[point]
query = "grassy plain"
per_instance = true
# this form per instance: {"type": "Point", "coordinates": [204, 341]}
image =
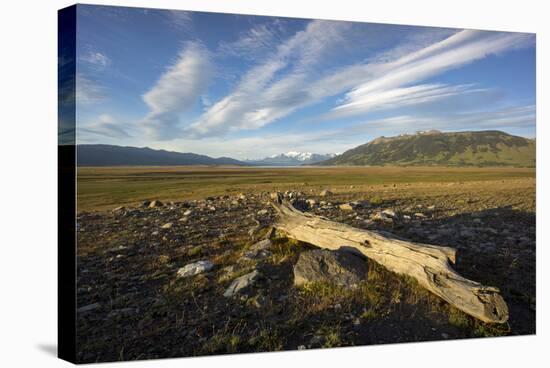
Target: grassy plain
{"type": "Point", "coordinates": [101, 188]}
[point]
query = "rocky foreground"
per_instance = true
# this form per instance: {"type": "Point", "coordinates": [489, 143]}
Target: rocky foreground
{"type": "Point", "coordinates": [201, 277]}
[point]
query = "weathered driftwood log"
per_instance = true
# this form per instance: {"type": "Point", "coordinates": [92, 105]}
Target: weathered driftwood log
{"type": "Point", "coordinates": [430, 265]}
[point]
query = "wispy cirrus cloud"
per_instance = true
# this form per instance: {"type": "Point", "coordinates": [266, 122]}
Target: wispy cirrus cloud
{"type": "Point", "coordinates": [87, 91]}
{"type": "Point", "coordinates": [176, 91]}
{"type": "Point", "coordinates": [105, 125]}
{"type": "Point", "coordinates": [288, 80]}
{"type": "Point", "coordinates": [96, 58]}
{"type": "Point", "coordinates": [254, 41]}
{"type": "Point", "coordinates": [179, 19]}
{"type": "Point", "coordinates": [508, 117]}
{"type": "Point", "coordinates": [263, 95]}
{"type": "Point", "coordinates": [386, 87]}
{"type": "Point", "coordinates": [401, 97]}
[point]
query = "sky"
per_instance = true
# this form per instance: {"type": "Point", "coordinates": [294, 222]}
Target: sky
{"type": "Point", "coordinates": [249, 87]}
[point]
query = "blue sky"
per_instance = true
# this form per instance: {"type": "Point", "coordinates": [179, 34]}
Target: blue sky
{"type": "Point", "coordinates": [250, 86]}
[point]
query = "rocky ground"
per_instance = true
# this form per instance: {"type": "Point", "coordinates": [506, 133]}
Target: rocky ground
{"type": "Point", "coordinates": [194, 277]}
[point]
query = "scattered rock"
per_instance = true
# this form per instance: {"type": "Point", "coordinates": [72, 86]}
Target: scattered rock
{"type": "Point", "coordinates": [240, 283]}
{"type": "Point", "coordinates": [119, 209]}
{"type": "Point", "coordinates": [195, 268]}
{"type": "Point", "coordinates": [346, 207]}
{"type": "Point", "coordinates": [145, 203]}
{"type": "Point", "coordinates": [116, 313]}
{"type": "Point", "coordinates": [300, 204]}
{"type": "Point", "coordinates": [187, 212]}
{"type": "Point", "coordinates": [339, 267]}
{"type": "Point", "coordinates": [262, 212]}
{"type": "Point", "coordinates": [325, 193]}
{"type": "Point", "coordinates": [389, 213]}
{"type": "Point", "coordinates": [261, 245]}
{"type": "Point", "coordinates": [155, 204]}
{"type": "Point", "coordinates": [168, 225]}
{"type": "Point", "coordinates": [382, 217]}
{"type": "Point", "coordinates": [88, 308]}
{"type": "Point", "coordinates": [311, 202]}
{"type": "Point", "coordinates": [419, 215]}
{"type": "Point", "coordinates": [361, 204]}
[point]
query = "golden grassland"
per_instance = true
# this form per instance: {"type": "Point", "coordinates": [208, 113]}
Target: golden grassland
{"type": "Point", "coordinates": [101, 188]}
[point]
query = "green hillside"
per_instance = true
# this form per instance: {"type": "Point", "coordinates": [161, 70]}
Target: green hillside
{"type": "Point", "coordinates": [480, 148]}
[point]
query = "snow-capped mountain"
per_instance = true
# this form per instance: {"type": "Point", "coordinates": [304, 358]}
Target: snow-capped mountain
{"type": "Point", "coordinates": [292, 158]}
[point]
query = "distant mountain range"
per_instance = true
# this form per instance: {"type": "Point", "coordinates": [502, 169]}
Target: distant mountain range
{"type": "Point", "coordinates": [479, 148]}
{"type": "Point", "coordinates": [292, 159]}
{"type": "Point", "coordinates": [108, 155]}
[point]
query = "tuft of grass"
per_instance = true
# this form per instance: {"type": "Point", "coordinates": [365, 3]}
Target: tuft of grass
{"type": "Point", "coordinates": [195, 251]}
{"type": "Point", "coordinates": [482, 329]}
{"type": "Point", "coordinates": [284, 249]}
{"type": "Point", "coordinates": [376, 200]}
{"type": "Point", "coordinates": [331, 336]}
{"type": "Point", "coordinates": [221, 342]}
{"type": "Point", "coordinates": [368, 314]}
{"type": "Point", "coordinates": [458, 318]}
{"type": "Point", "coordinates": [267, 340]}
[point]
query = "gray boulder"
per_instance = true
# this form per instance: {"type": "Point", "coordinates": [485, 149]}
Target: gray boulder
{"type": "Point", "coordinates": [338, 267]}
{"type": "Point", "coordinates": [240, 283]}
{"type": "Point", "coordinates": [195, 268]}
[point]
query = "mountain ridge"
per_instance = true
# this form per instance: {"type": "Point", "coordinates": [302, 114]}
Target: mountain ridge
{"type": "Point", "coordinates": [112, 155]}
{"type": "Point", "coordinates": [432, 147]}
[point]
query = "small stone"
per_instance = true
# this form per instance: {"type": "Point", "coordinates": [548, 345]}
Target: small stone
{"type": "Point", "coordinates": [168, 225]}
{"type": "Point", "coordinates": [311, 203]}
{"type": "Point", "coordinates": [145, 203]}
{"type": "Point", "coordinates": [119, 209]}
{"type": "Point", "coordinates": [187, 213]}
{"type": "Point", "coordinates": [88, 308]}
{"type": "Point", "coordinates": [121, 312]}
{"type": "Point", "coordinates": [361, 204]}
{"type": "Point", "coordinates": [155, 204]}
{"type": "Point", "coordinates": [240, 283]}
{"type": "Point", "coordinates": [300, 204]}
{"type": "Point", "coordinates": [301, 347]}
{"type": "Point", "coordinates": [389, 213]}
{"type": "Point", "coordinates": [262, 212]}
{"type": "Point", "coordinates": [382, 217]}
{"type": "Point", "coordinates": [419, 215]}
{"type": "Point", "coordinates": [261, 245]}
{"type": "Point", "coordinates": [325, 193]}
{"type": "Point", "coordinates": [346, 207]}
{"type": "Point", "coordinates": [195, 268]}
{"type": "Point", "coordinates": [444, 335]}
